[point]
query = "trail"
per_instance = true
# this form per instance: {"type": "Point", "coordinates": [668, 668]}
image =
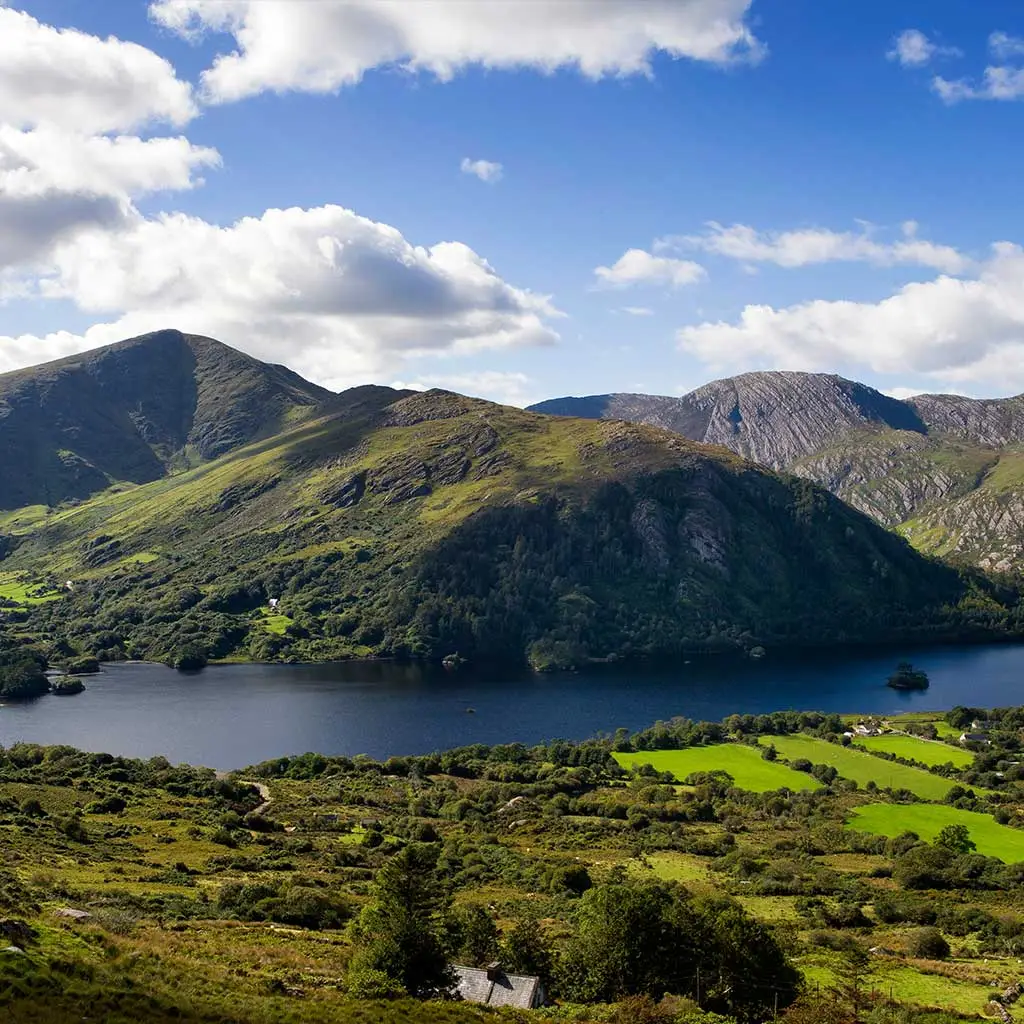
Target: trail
{"type": "Point", "coordinates": [264, 791]}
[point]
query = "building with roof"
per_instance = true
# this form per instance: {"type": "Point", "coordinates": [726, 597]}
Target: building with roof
{"type": "Point", "coordinates": [491, 986]}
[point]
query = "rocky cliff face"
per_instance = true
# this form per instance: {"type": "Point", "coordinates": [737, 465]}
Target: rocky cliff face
{"type": "Point", "coordinates": [940, 467]}
{"type": "Point", "coordinates": [129, 411]}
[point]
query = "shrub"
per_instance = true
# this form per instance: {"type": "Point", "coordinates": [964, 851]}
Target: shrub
{"type": "Point", "coordinates": [929, 944]}
{"type": "Point", "coordinates": [369, 983]}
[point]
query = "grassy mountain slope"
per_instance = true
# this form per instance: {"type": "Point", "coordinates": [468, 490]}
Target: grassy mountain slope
{"type": "Point", "coordinates": [424, 524]}
{"type": "Point", "coordinates": [941, 468]}
{"type": "Point", "coordinates": [130, 411]}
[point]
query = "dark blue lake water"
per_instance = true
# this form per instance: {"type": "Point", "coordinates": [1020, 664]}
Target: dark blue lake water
{"type": "Point", "coordinates": [235, 715]}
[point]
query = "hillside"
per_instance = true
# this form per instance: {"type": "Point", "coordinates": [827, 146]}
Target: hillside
{"type": "Point", "coordinates": [941, 468]}
{"type": "Point", "coordinates": [399, 523]}
{"type": "Point", "coordinates": [129, 412]}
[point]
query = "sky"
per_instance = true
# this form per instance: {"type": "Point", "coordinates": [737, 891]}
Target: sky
{"type": "Point", "coordinates": [522, 199]}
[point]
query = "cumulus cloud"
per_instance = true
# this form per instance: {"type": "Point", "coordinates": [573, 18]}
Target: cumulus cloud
{"type": "Point", "coordinates": [485, 170]}
{"type": "Point", "coordinates": [63, 95]}
{"type": "Point", "coordinates": [495, 385]}
{"type": "Point", "coordinates": [913, 49]}
{"type": "Point", "coordinates": [954, 330]}
{"type": "Point", "coordinates": [83, 83]}
{"type": "Point", "coordinates": [638, 267]}
{"type": "Point", "coordinates": [999, 81]}
{"type": "Point", "coordinates": [323, 45]}
{"type": "Point", "coordinates": [809, 246]}
{"type": "Point", "coordinates": [1004, 46]}
{"type": "Point", "coordinates": [342, 296]}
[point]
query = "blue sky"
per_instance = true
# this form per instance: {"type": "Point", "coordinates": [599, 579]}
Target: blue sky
{"type": "Point", "coordinates": [860, 162]}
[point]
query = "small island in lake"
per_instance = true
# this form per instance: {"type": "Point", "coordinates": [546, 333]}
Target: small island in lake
{"type": "Point", "coordinates": [906, 677]}
{"type": "Point", "coordinates": [66, 686]}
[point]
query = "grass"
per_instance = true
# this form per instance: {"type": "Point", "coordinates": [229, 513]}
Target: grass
{"type": "Point", "coordinates": [19, 588]}
{"type": "Point", "coordinates": [927, 820]}
{"type": "Point", "coordinates": [863, 768]}
{"type": "Point", "coordinates": [917, 749]}
{"type": "Point", "coordinates": [748, 769]}
{"type": "Point", "coordinates": [276, 623]}
{"type": "Point", "coordinates": [907, 985]}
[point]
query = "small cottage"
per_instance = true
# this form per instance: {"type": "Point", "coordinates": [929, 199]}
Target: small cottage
{"type": "Point", "coordinates": [491, 986]}
{"type": "Point", "coordinates": [973, 737]}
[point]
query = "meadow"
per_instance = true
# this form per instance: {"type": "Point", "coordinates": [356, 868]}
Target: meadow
{"type": "Point", "coordinates": [862, 767]}
{"type": "Point", "coordinates": [749, 770]}
{"type": "Point", "coordinates": [914, 748]}
{"type": "Point", "coordinates": [927, 820]}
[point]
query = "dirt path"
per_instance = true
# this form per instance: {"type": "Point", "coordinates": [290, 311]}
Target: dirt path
{"type": "Point", "coordinates": [264, 792]}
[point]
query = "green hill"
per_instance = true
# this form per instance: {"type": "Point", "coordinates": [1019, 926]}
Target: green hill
{"type": "Point", "coordinates": [131, 411]}
{"type": "Point", "coordinates": [396, 523]}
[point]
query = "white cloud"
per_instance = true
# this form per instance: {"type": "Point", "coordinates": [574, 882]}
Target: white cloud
{"type": "Point", "coordinates": [638, 310]}
{"type": "Point", "coordinates": [913, 49]}
{"type": "Point", "coordinates": [636, 266]}
{"type": "Point", "coordinates": [495, 385]}
{"type": "Point", "coordinates": [323, 45]}
{"type": "Point", "coordinates": [902, 393]}
{"type": "Point", "coordinates": [81, 82]}
{"type": "Point", "coordinates": [951, 329]}
{"type": "Point", "coordinates": [485, 170]}
{"type": "Point", "coordinates": [809, 246]}
{"type": "Point", "coordinates": [344, 297]}
{"type": "Point", "coordinates": [1004, 46]}
{"type": "Point", "coordinates": [62, 95]}
{"type": "Point", "coordinates": [999, 83]}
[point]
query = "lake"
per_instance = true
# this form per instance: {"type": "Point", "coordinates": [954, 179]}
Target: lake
{"type": "Point", "coordinates": [231, 716]}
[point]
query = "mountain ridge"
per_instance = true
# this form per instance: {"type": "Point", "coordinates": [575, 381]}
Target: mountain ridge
{"type": "Point", "coordinates": [422, 524]}
{"type": "Point", "coordinates": [131, 411]}
{"type": "Point", "coordinates": [922, 465]}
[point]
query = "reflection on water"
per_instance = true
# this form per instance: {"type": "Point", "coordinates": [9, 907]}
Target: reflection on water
{"type": "Point", "coordinates": [234, 715]}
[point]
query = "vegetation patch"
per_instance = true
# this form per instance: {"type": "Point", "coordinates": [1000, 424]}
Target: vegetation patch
{"type": "Point", "coordinates": [928, 820]}
{"type": "Point", "coordinates": [747, 767]}
{"type": "Point", "coordinates": [862, 767]}
{"type": "Point", "coordinates": [913, 748]}
{"type": "Point", "coordinates": [24, 590]}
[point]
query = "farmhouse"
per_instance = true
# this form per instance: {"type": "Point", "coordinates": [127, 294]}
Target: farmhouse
{"type": "Point", "coordinates": [973, 737]}
{"type": "Point", "coordinates": [867, 730]}
{"type": "Point", "coordinates": [491, 986]}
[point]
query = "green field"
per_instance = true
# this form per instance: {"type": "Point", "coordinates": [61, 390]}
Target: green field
{"type": "Point", "coordinates": [927, 820]}
{"type": "Point", "coordinates": [16, 587]}
{"type": "Point", "coordinates": [917, 749]}
{"type": "Point", "coordinates": [863, 767]}
{"type": "Point", "coordinates": [748, 769]}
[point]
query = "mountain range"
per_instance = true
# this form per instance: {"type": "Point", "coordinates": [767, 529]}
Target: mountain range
{"type": "Point", "coordinates": [171, 498]}
{"type": "Point", "coordinates": [945, 471]}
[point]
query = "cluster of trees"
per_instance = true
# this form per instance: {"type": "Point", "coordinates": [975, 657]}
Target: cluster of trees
{"type": "Point", "coordinates": [22, 674]}
{"type": "Point", "coordinates": [627, 940]}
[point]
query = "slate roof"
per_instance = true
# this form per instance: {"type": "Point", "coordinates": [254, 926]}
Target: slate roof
{"type": "Point", "coordinates": [496, 988]}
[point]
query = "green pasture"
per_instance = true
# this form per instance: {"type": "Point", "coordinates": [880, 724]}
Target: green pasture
{"type": "Point", "coordinates": [19, 588]}
{"type": "Point", "coordinates": [748, 769]}
{"type": "Point", "coordinates": [927, 820]}
{"type": "Point", "coordinates": [913, 747]}
{"type": "Point", "coordinates": [862, 767]}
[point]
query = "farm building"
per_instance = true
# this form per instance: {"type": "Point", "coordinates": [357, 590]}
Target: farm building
{"type": "Point", "coordinates": [974, 737]}
{"type": "Point", "coordinates": [491, 986]}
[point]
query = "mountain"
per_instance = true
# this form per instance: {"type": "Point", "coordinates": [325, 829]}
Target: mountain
{"type": "Point", "coordinates": [944, 470]}
{"type": "Point", "coordinates": [425, 524]}
{"type": "Point", "coordinates": [132, 411]}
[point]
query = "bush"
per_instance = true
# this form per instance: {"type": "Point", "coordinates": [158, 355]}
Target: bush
{"type": "Point", "coordinates": [368, 983]}
{"type": "Point", "coordinates": [929, 944]}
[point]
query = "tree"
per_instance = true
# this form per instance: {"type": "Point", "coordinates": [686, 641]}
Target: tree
{"type": "Point", "coordinates": [630, 940]}
{"type": "Point", "coordinates": [400, 932]}
{"type": "Point", "coordinates": [474, 935]}
{"type": "Point", "coordinates": [956, 838]}
{"type": "Point", "coordinates": [525, 950]}
{"type": "Point", "coordinates": [852, 974]}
